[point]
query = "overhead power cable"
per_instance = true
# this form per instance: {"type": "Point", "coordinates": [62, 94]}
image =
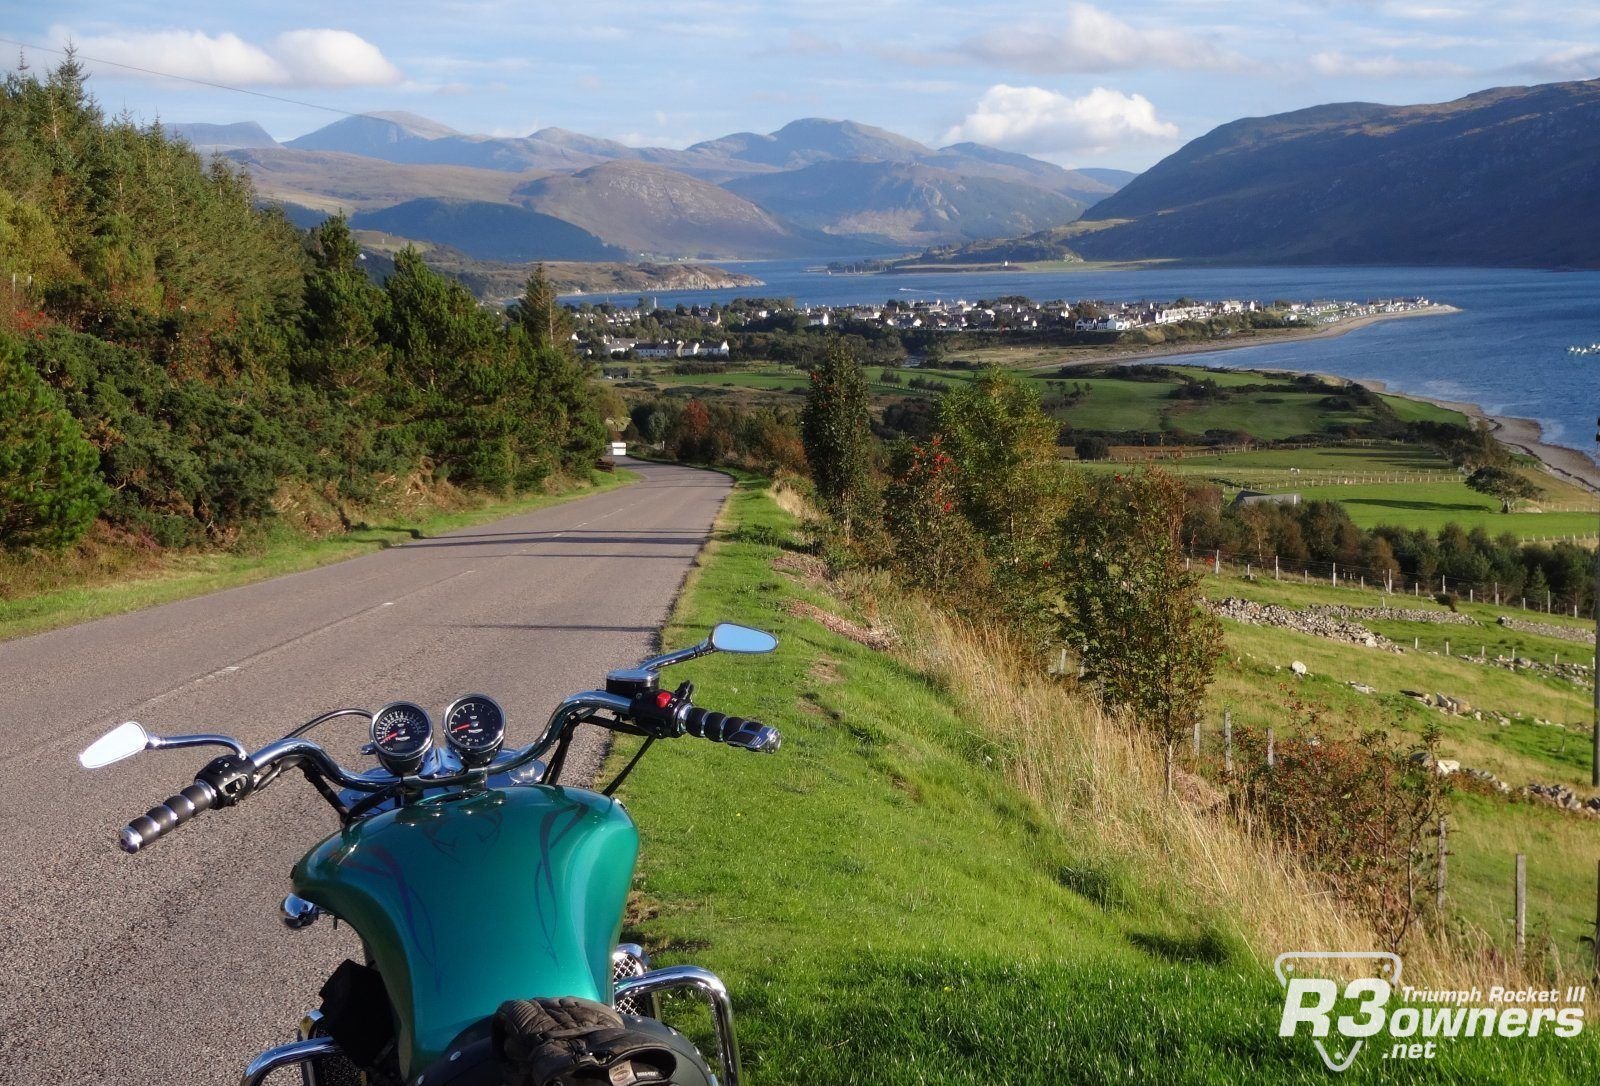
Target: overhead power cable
{"type": "Point", "coordinates": [183, 78]}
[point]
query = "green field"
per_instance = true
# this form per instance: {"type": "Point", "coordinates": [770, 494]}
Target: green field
{"type": "Point", "coordinates": [1404, 485]}
{"type": "Point", "coordinates": [1548, 737]}
{"type": "Point", "coordinates": [887, 908]}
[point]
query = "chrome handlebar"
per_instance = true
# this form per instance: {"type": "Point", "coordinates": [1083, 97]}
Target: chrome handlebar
{"type": "Point", "coordinates": [292, 750]}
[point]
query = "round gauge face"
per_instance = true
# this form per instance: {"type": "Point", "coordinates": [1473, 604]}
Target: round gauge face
{"type": "Point", "coordinates": [402, 732]}
{"type": "Point", "coordinates": [474, 725]}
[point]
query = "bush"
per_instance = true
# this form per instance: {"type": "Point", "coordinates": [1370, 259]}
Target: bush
{"type": "Point", "coordinates": [1092, 448]}
{"type": "Point", "coordinates": [50, 488]}
{"type": "Point", "coordinates": [1359, 812]}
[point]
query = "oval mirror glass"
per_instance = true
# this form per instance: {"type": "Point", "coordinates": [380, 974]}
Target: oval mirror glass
{"type": "Point", "coordinates": [123, 741]}
{"type": "Point", "coordinates": [726, 637]}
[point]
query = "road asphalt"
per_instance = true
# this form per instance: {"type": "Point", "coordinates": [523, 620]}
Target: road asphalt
{"type": "Point", "coordinates": [172, 966]}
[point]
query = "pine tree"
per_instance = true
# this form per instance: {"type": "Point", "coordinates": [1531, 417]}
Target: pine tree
{"type": "Point", "coordinates": [540, 313]}
{"type": "Point", "coordinates": [50, 488]}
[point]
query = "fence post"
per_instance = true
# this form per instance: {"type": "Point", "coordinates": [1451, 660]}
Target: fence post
{"type": "Point", "coordinates": [1497, 593]}
{"type": "Point", "coordinates": [1197, 739]}
{"type": "Point", "coordinates": [1597, 921]}
{"type": "Point", "coordinates": [1447, 646]}
{"type": "Point", "coordinates": [1216, 563]}
{"type": "Point", "coordinates": [1271, 761]}
{"type": "Point", "coordinates": [1274, 567]}
{"type": "Point", "coordinates": [1336, 574]}
{"type": "Point", "coordinates": [1227, 740]}
{"type": "Point", "coordinates": [1444, 867]}
{"type": "Point", "coordinates": [1522, 905]}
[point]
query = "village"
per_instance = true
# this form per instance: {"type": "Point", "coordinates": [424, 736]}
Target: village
{"type": "Point", "coordinates": [646, 331]}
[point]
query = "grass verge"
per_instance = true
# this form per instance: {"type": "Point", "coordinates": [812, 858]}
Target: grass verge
{"type": "Point", "coordinates": [106, 587]}
{"type": "Point", "coordinates": [954, 874]}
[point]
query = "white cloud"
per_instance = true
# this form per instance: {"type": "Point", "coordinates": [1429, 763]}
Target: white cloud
{"type": "Point", "coordinates": [1047, 122]}
{"type": "Point", "coordinates": [1092, 40]}
{"type": "Point", "coordinates": [307, 58]}
{"type": "Point", "coordinates": [1573, 62]}
{"type": "Point", "coordinates": [1334, 63]}
{"type": "Point", "coordinates": [333, 58]}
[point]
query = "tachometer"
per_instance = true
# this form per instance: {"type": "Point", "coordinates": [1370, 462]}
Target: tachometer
{"type": "Point", "coordinates": [475, 728]}
{"type": "Point", "coordinates": [401, 736]}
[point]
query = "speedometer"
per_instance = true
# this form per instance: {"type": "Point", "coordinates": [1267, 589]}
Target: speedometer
{"type": "Point", "coordinates": [401, 736]}
{"type": "Point", "coordinates": [475, 728]}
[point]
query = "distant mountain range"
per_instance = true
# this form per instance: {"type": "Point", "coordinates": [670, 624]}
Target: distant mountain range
{"type": "Point", "coordinates": [1509, 176]}
{"type": "Point", "coordinates": [812, 188]}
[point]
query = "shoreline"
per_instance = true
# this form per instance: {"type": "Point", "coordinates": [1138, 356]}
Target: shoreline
{"type": "Point", "coordinates": [1522, 434]}
{"type": "Point", "coordinates": [1134, 355]}
{"type": "Point", "coordinates": [1513, 431]}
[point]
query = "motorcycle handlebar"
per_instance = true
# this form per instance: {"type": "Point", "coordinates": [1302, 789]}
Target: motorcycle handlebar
{"type": "Point", "coordinates": [163, 818]}
{"type": "Point", "coordinates": [735, 731]}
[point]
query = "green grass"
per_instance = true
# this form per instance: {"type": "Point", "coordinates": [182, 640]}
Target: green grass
{"type": "Point", "coordinates": [278, 551]}
{"type": "Point", "coordinates": [887, 909]}
{"type": "Point", "coordinates": [1255, 684]}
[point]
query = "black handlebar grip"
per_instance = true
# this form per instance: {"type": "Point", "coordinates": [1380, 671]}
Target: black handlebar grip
{"type": "Point", "coordinates": [163, 819]}
{"type": "Point", "coordinates": [735, 731]}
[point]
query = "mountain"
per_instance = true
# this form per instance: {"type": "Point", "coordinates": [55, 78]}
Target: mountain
{"type": "Point", "coordinates": [651, 209]}
{"type": "Point", "coordinates": [814, 187]}
{"type": "Point", "coordinates": [975, 158]}
{"type": "Point", "coordinates": [905, 202]}
{"type": "Point", "coordinates": [800, 143]}
{"type": "Point", "coordinates": [222, 137]}
{"type": "Point", "coordinates": [1117, 179]}
{"type": "Point", "coordinates": [488, 231]}
{"type": "Point", "coordinates": [374, 134]}
{"type": "Point", "coordinates": [1509, 176]}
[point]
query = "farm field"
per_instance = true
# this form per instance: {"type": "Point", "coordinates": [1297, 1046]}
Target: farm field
{"type": "Point", "coordinates": [1546, 737]}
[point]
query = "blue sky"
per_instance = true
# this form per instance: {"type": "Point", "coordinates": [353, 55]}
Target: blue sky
{"type": "Point", "coordinates": [1109, 84]}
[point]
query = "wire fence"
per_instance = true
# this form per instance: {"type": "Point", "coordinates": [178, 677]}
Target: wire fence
{"type": "Point", "coordinates": [1389, 582]}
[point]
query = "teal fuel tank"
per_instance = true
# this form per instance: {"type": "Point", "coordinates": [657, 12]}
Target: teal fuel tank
{"type": "Point", "coordinates": [470, 899]}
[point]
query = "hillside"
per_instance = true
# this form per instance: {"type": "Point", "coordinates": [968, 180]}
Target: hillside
{"type": "Point", "coordinates": [335, 180]}
{"type": "Point", "coordinates": [913, 781]}
{"type": "Point", "coordinates": [1509, 176]}
{"type": "Point", "coordinates": [650, 209]}
{"type": "Point", "coordinates": [905, 203]}
{"type": "Point", "coordinates": [488, 231]}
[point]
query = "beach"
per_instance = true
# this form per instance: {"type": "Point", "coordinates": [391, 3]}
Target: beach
{"type": "Point", "coordinates": [1524, 435]}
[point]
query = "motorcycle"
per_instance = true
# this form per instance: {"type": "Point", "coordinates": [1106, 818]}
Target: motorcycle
{"type": "Point", "coordinates": [488, 895]}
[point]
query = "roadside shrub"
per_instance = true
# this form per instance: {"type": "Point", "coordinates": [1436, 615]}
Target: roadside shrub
{"type": "Point", "coordinates": [935, 546]}
{"type": "Point", "coordinates": [1361, 813]}
{"type": "Point", "coordinates": [50, 488]}
{"type": "Point", "coordinates": [1127, 604]}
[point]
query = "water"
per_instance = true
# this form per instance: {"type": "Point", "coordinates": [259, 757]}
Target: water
{"type": "Point", "coordinates": [1506, 351]}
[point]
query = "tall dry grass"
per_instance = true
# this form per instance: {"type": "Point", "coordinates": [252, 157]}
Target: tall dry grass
{"type": "Point", "coordinates": [1102, 784]}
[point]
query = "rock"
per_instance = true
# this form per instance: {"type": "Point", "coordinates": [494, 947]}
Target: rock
{"type": "Point", "coordinates": [1362, 688]}
{"type": "Point", "coordinates": [1297, 667]}
{"type": "Point", "coordinates": [1446, 766]}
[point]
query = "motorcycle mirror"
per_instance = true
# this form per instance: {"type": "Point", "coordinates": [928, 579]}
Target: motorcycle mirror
{"type": "Point", "coordinates": [123, 741]}
{"type": "Point", "coordinates": [726, 637]}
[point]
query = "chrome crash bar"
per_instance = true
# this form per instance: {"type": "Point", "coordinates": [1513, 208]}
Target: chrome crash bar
{"type": "Point", "coordinates": [677, 977]}
{"type": "Point", "coordinates": [288, 1055]}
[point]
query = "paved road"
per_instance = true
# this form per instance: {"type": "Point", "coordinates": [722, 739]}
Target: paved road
{"type": "Point", "coordinates": [171, 966]}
